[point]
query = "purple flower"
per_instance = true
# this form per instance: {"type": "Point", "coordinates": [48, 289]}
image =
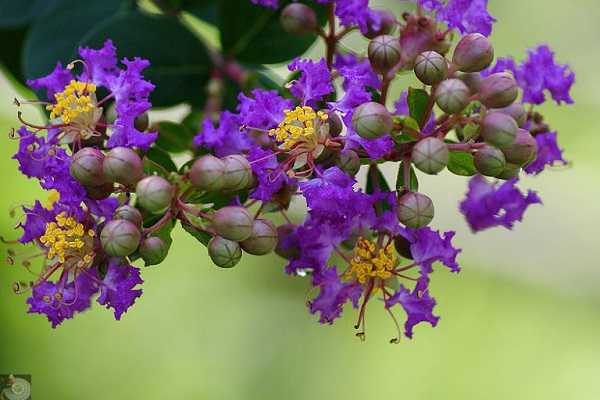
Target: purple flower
{"type": "Point", "coordinates": [117, 289]}
{"type": "Point", "coordinates": [264, 110]}
{"type": "Point", "coordinates": [468, 16]}
{"type": "Point", "coordinates": [489, 204]}
{"type": "Point", "coordinates": [266, 3]}
{"type": "Point", "coordinates": [548, 154]}
{"type": "Point", "coordinates": [428, 247]}
{"type": "Point", "coordinates": [266, 169]}
{"type": "Point", "coordinates": [314, 82]}
{"type": "Point", "coordinates": [418, 306]}
{"type": "Point", "coordinates": [314, 242]}
{"type": "Point", "coordinates": [225, 139]}
{"type": "Point", "coordinates": [375, 148]}
{"type": "Point", "coordinates": [333, 294]}
{"type": "Point", "coordinates": [357, 12]}
{"type": "Point", "coordinates": [358, 76]}
{"type": "Point", "coordinates": [54, 82]}
{"type": "Point", "coordinates": [502, 64]}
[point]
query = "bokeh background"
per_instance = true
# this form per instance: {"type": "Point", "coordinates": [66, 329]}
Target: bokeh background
{"type": "Point", "coordinates": [521, 321]}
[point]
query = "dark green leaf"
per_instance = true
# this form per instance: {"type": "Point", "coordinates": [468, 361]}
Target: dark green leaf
{"type": "Point", "coordinates": [174, 137]}
{"type": "Point", "coordinates": [376, 180]}
{"type": "Point", "coordinates": [158, 161]}
{"type": "Point", "coordinates": [461, 163]}
{"type": "Point", "coordinates": [418, 102]}
{"type": "Point", "coordinates": [413, 184]}
{"type": "Point", "coordinates": [11, 53]}
{"type": "Point", "coordinates": [193, 120]}
{"type": "Point", "coordinates": [17, 13]}
{"type": "Point", "coordinates": [206, 10]}
{"type": "Point", "coordinates": [201, 236]}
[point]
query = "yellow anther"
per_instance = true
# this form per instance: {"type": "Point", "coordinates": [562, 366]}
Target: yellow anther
{"type": "Point", "coordinates": [371, 262]}
{"type": "Point", "coordinates": [298, 125]}
{"type": "Point", "coordinates": [53, 197]}
{"type": "Point", "coordinates": [65, 235]}
{"type": "Point", "coordinates": [77, 98]}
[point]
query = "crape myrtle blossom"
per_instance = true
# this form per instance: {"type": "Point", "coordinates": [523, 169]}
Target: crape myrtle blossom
{"type": "Point", "coordinates": [468, 16]}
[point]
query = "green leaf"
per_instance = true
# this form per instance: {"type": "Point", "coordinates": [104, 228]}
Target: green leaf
{"type": "Point", "coordinates": [11, 54]}
{"type": "Point", "coordinates": [413, 184]}
{"type": "Point", "coordinates": [17, 13]}
{"type": "Point", "coordinates": [201, 236]}
{"type": "Point", "coordinates": [461, 163]}
{"type": "Point", "coordinates": [174, 137]}
{"type": "Point", "coordinates": [193, 120]}
{"type": "Point", "coordinates": [206, 10]}
{"type": "Point", "coordinates": [418, 105]}
{"type": "Point", "coordinates": [158, 161]}
{"type": "Point", "coordinates": [375, 179]}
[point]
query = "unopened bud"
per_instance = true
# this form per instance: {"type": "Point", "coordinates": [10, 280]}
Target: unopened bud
{"type": "Point", "coordinates": [509, 172]}
{"type": "Point", "coordinates": [123, 165]}
{"type": "Point", "coordinates": [99, 192]}
{"type": "Point", "coordinates": [387, 23]}
{"type": "Point", "coordinates": [349, 162]}
{"type": "Point", "coordinates": [372, 120]}
{"type": "Point", "coordinates": [233, 223]}
{"type": "Point", "coordinates": [452, 96]}
{"type": "Point", "coordinates": [120, 238]}
{"type": "Point", "coordinates": [498, 129]}
{"type": "Point", "coordinates": [153, 250]}
{"type": "Point", "coordinates": [284, 247]}
{"type": "Point", "coordinates": [489, 161]}
{"type": "Point", "coordinates": [263, 239]}
{"type": "Point", "coordinates": [141, 122]}
{"type": "Point", "coordinates": [238, 173]}
{"type": "Point", "coordinates": [154, 193]}
{"type": "Point", "coordinates": [384, 53]}
{"type": "Point", "coordinates": [86, 166]}
{"type": "Point", "coordinates": [473, 53]}
{"type": "Point", "coordinates": [430, 155]}
{"type": "Point", "coordinates": [223, 252]}
{"type": "Point", "coordinates": [431, 68]}
{"type": "Point", "coordinates": [402, 246]}
{"type": "Point", "coordinates": [299, 19]}
{"type": "Point", "coordinates": [523, 150]}
{"type": "Point", "coordinates": [515, 110]}
{"type": "Point", "coordinates": [472, 80]}
{"type": "Point", "coordinates": [415, 210]}
{"type": "Point", "coordinates": [498, 90]}
{"type": "Point", "coordinates": [208, 173]}
{"type": "Point", "coordinates": [130, 214]}
{"type": "Point", "coordinates": [335, 124]}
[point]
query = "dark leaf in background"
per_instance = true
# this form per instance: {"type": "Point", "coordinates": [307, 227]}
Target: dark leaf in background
{"type": "Point", "coordinates": [11, 53]}
{"type": "Point", "coordinates": [461, 163]}
{"type": "Point", "coordinates": [205, 10]}
{"type": "Point", "coordinates": [158, 161]}
{"type": "Point", "coordinates": [174, 137]}
{"type": "Point", "coordinates": [376, 180]}
{"type": "Point", "coordinates": [418, 101]}
{"type": "Point", "coordinates": [18, 13]}
{"type": "Point", "coordinates": [413, 184]}
{"type": "Point", "coordinates": [201, 236]}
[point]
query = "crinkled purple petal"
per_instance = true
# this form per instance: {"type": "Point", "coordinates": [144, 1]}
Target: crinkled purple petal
{"type": "Point", "coordinates": [264, 110]}
{"type": "Point", "coordinates": [549, 153]}
{"type": "Point", "coordinates": [101, 64]}
{"type": "Point", "coordinates": [54, 82]}
{"type": "Point", "coordinates": [468, 16]}
{"type": "Point", "coordinates": [314, 82]}
{"type": "Point", "coordinates": [428, 247]}
{"type": "Point", "coordinates": [418, 306]}
{"type": "Point", "coordinates": [117, 289]}
{"type": "Point", "coordinates": [333, 294]}
{"type": "Point", "coordinates": [225, 139]}
{"type": "Point", "coordinates": [268, 173]}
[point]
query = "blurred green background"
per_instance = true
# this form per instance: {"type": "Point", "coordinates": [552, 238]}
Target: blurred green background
{"type": "Point", "coordinates": [521, 321]}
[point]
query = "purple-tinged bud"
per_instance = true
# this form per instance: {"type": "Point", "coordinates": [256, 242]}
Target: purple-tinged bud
{"type": "Point", "coordinates": [489, 161]}
{"type": "Point", "coordinates": [123, 165]}
{"type": "Point", "coordinates": [498, 129]}
{"type": "Point", "coordinates": [473, 53]}
{"type": "Point", "coordinates": [387, 25]}
{"type": "Point", "coordinates": [99, 192]}
{"type": "Point", "coordinates": [430, 155]}
{"type": "Point", "coordinates": [452, 96]}
{"type": "Point", "coordinates": [523, 150]}
{"type": "Point", "coordinates": [372, 120]}
{"type": "Point", "coordinates": [335, 124]}
{"type": "Point", "coordinates": [283, 248]}
{"type": "Point", "coordinates": [154, 193]}
{"type": "Point", "coordinates": [233, 223]}
{"type": "Point", "coordinates": [263, 239]}
{"type": "Point", "coordinates": [498, 90]}
{"type": "Point", "coordinates": [208, 173]}
{"type": "Point", "coordinates": [299, 19]}
{"type": "Point", "coordinates": [238, 173]}
{"type": "Point", "coordinates": [153, 250]}
{"type": "Point", "coordinates": [223, 252]}
{"type": "Point", "coordinates": [384, 53]}
{"type": "Point", "coordinates": [515, 110]}
{"type": "Point", "coordinates": [120, 238]}
{"type": "Point", "coordinates": [431, 68]}
{"type": "Point", "coordinates": [415, 210]}
{"type": "Point", "coordinates": [472, 80]}
{"type": "Point", "coordinates": [402, 246]}
{"type": "Point", "coordinates": [130, 214]}
{"type": "Point", "coordinates": [142, 122]}
{"type": "Point", "coordinates": [509, 172]}
{"type": "Point", "coordinates": [86, 167]}
{"type": "Point", "coordinates": [349, 162]}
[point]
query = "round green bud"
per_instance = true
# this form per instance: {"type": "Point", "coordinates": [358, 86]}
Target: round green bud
{"type": "Point", "coordinates": [86, 167]}
{"type": "Point", "coordinates": [283, 249]}
{"type": "Point", "coordinates": [430, 155]}
{"type": "Point", "coordinates": [335, 124]}
{"type": "Point", "coordinates": [130, 214]}
{"type": "Point", "coordinates": [509, 172]}
{"type": "Point", "coordinates": [452, 96]}
{"type": "Point", "coordinates": [489, 161]}
{"type": "Point", "coordinates": [223, 252]}
{"type": "Point", "coordinates": [99, 192]}
{"type": "Point", "coordinates": [233, 223]}
{"type": "Point", "coordinates": [384, 53]}
{"type": "Point", "coordinates": [441, 44]}
{"type": "Point", "coordinates": [298, 19]}
{"type": "Point", "coordinates": [498, 129]}
{"type": "Point", "coordinates": [263, 239]}
{"type": "Point", "coordinates": [372, 120]}
{"type": "Point", "coordinates": [473, 53]}
{"type": "Point", "coordinates": [386, 26]}
{"type": "Point", "coordinates": [120, 238]}
{"type": "Point", "coordinates": [154, 193]}
{"type": "Point", "coordinates": [238, 173]}
{"type": "Point", "coordinates": [498, 90]}
{"type": "Point", "coordinates": [123, 165]}
{"type": "Point", "coordinates": [349, 162]}
{"type": "Point", "coordinates": [141, 122]}
{"type": "Point", "coordinates": [153, 250]}
{"type": "Point", "coordinates": [431, 68]}
{"type": "Point", "coordinates": [415, 210]}
{"type": "Point", "coordinates": [523, 150]}
{"type": "Point", "coordinates": [402, 246]}
{"type": "Point", "coordinates": [472, 80]}
{"type": "Point", "coordinates": [208, 173]}
{"type": "Point", "coordinates": [515, 110]}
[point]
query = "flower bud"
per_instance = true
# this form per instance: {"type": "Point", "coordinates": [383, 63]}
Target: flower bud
{"type": "Point", "coordinates": [153, 250]}
{"type": "Point", "coordinates": [415, 210]}
{"type": "Point", "coordinates": [233, 223]}
{"type": "Point", "coordinates": [523, 150]}
{"type": "Point", "coordinates": [335, 124]}
{"type": "Point", "coordinates": [431, 68]}
{"type": "Point", "coordinates": [223, 252]}
{"type": "Point", "coordinates": [402, 246]}
{"type": "Point", "coordinates": [99, 192]}
{"type": "Point", "coordinates": [489, 161]}
{"type": "Point", "coordinates": [515, 110]}
{"type": "Point", "coordinates": [498, 90]}
{"type": "Point", "coordinates": [509, 172]}
{"type": "Point", "coordinates": [498, 129]}
{"type": "Point", "coordinates": [384, 53]}
{"type": "Point", "coordinates": [120, 238]}
{"type": "Point", "coordinates": [154, 193]}
{"type": "Point", "coordinates": [387, 24]}
{"type": "Point", "coordinates": [123, 165]}
{"type": "Point", "coordinates": [473, 53]}
{"type": "Point", "coordinates": [452, 96]}
{"type": "Point", "coordinates": [349, 162]}
{"type": "Point", "coordinates": [472, 80]}
{"type": "Point", "coordinates": [263, 239]}
{"type": "Point", "coordinates": [372, 120]}
{"type": "Point", "coordinates": [238, 173]}
{"type": "Point", "coordinates": [430, 155]}
{"type": "Point", "coordinates": [284, 248]}
{"type": "Point", "coordinates": [130, 214]}
{"type": "Point", "coordinates": [141, 122]}
{"type": "Point", "coordinates": [299, 19]}
{"type": "Point", "coordinates": [86, 167]}
{"type": "Point", "coordinates": [208, 173]}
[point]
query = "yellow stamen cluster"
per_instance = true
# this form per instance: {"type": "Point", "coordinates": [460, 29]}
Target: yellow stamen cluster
{"type": "Point", "coordinates": [298, 125]}
{"type": "Point", "coordinates": [371, 262]}
{"type": "Point", "coordinates": [76, 99]}
{"type": "Point", "coordinates": [53, 197]}
{"type": "Point", "coordinates": [64, 235]}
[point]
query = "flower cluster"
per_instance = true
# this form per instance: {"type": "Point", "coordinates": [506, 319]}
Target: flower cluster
{"type": "Point", "coordinates": [113, 203]}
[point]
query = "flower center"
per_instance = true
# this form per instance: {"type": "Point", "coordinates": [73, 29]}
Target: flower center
{"type": "Point", "coordinates": [369, 261]}
{"type": "Point", "coordinates": [298, 126]}
{"type": "Point", "coordinates": [67, 239]}
{"type": "Point", "coordinates": [78, 98]}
